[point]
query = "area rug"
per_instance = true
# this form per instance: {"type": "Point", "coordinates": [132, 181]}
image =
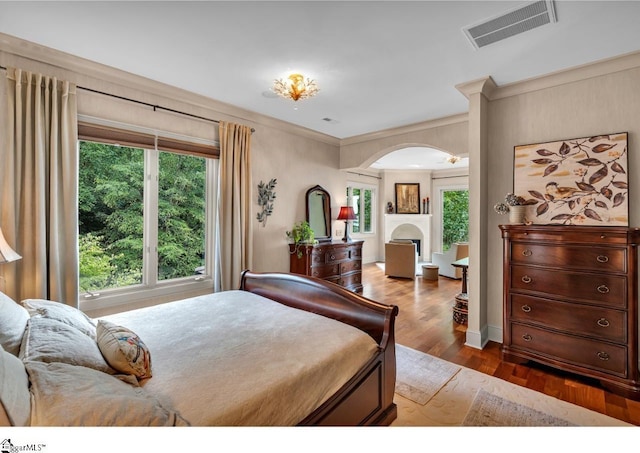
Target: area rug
{"type": "Point", "coordinates": [452, 402]}
{"type": "Point", "coordinates": [488, 409]}
{"type": "Point", "coordinates": [419, 376]}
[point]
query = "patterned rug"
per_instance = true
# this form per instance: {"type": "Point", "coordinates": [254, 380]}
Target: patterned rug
{"type": "Point", "coordinates": [419, 376]}
{"type": "Point", "coordinates": [491, 410]}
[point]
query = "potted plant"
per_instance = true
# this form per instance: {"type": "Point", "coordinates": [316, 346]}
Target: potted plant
{"type": "Point", "coordinates": [514, 205]}
{"type": "Point", "coordinates": [301, 234]}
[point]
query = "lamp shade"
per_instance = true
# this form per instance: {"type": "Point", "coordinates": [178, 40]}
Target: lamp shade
{"type": "Point", "coordinates": [7, 254]}
{"type": "Point", "coordinates": [346, 213]}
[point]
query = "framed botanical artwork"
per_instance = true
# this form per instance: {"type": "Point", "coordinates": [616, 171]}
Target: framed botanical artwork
{"type": "Point", "coordinates": [407, 198]}
{"type": "Point", "coordinates": [581, 181]}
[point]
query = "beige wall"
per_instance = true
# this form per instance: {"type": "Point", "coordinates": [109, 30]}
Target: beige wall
{"type": "Point", "coordinates": [296, 157]}
{"type": "Point", "coordinates": [593, 99]}
{"type": "Point", "coordinates": [599, 104]}
{"type": "Point", "coordinates": [448, 134]}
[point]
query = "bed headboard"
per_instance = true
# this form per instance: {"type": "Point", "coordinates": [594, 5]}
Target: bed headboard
{"type": "Point", "coordinates": [326, 299]}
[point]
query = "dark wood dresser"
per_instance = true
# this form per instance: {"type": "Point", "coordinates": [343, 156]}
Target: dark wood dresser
{"type": "Point", "coordinates": [337, 261]}
{"type": "Point", "coordinates": [571, 301]}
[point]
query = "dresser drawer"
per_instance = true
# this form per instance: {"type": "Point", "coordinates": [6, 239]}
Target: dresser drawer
{"type": "Point", "coordinates": [565, 235]}
{"type": "Point", "coordinates": [609, 290]}
{"type": "Point", "coordinates": [600, 259]}
{"type": "Point", "coordinates": [337, 255]}
{"type": "Point", "coordinates": [600, 323]}
{"type": "Point", "coordinates": [325, 271]}
{"type": "Point", "coordinates": [354, 279]}
{"type": "Point", "coordinates": [577, 351]}
{"type": "Point", "coordinates": [350, 266]}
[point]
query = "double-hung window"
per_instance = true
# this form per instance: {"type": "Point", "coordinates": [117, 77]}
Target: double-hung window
{"type": "Point", "coordinates": [362, 198]}
{"type": "Point", "coordinates": [146, 215]}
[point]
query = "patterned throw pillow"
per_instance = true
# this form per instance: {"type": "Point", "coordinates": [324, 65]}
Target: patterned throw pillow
{"type": "Point", "coordinates": [123, 349]}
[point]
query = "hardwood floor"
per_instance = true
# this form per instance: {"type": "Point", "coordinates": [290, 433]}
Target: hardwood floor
{"type": "Point", "coordinates": [425, 323]}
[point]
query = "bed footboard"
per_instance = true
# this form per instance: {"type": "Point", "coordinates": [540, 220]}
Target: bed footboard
{"type": "Point", "coordinates": [367, 399]}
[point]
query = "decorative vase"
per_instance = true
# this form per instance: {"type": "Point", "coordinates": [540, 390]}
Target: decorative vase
{"type": "Point", "coordinates": [517, 214]}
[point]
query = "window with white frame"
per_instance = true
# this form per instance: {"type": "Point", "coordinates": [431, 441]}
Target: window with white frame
{"type": "Point", "coordinates": [145, 213]}
{"type": "Point", "coordinates": [362, 198]}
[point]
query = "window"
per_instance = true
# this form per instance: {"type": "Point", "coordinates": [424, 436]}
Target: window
{"type": "Point", "coordinates": [145, 221]}
{"type": "Point", "coordinates": [362, 198]}
{"type": "Point", "coordinates": [455, 217]}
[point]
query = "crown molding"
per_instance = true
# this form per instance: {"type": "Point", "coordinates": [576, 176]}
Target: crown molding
{"type": "Point", "coordinates": [416, 127]}
{"type": "Point", "coordinates": [90, 74]}
{"type": "Point", "coordinates": [571, 75]}
{"type": "Point", "coordinates": [485, 86]}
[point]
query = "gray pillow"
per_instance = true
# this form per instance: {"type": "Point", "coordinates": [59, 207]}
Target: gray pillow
{"type": "Point", "coordinates": [49, 340]}
{"type": "Point", "coordinates": [61, 312]}
{"type": "Point", "coordinates": [13, 320]}
{"type": "Point", "coordinates": [14, 390]}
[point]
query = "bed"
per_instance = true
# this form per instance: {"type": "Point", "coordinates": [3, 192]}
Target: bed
{"type": "Point", "coordinates": [282, 350]}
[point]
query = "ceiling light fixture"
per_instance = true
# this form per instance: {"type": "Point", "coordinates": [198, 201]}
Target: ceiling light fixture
{"type": "Point", "coordinates": [295, 87]}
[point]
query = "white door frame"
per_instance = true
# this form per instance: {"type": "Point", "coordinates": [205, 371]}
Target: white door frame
{"type": "Point", "coordinates": [439, 185]}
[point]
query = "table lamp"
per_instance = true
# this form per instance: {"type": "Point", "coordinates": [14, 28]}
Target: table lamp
{"type": "Point", "coordinates": [7, 254]}
{"type": "Point", "coordinates": [346, 214]}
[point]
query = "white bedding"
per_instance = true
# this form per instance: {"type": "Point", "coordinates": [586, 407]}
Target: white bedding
{"type": "Point", "coordinates": [236, 358]}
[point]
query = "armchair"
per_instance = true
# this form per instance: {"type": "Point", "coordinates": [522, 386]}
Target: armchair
{"type": "Point", "coordinates": [444, 259]}
{"type": "Point", "coordinates": [401, 258]}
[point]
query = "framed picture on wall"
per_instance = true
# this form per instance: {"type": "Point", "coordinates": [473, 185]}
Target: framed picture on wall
{"type": "Point", "coordinates": [407, 198]}
{"type": "Point", "coordinates": [580, 181]}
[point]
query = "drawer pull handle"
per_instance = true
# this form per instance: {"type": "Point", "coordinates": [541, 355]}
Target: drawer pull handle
{"type": "Point", "coordinates": [527, 252]}
{"type": "Point", "coordinates": [527, 337]}
{"type": "Point", "coordinates": [603, 355]}
{"type": "Point", "coordinates": [603, 322]}
{"type": "Point", "coordinates": [526, 279]}
{"type": "Point", "coordinates": [333, 257]}
{"type": "Point", "coordinates": [602, 259]}
{"type": "Point", "coordinates": [526, 308]}
{"type": "Point", "coordinates": [602, 289]}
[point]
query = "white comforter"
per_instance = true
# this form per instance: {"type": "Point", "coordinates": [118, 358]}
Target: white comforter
{"type": "Point", "coordinates": [236, 358]}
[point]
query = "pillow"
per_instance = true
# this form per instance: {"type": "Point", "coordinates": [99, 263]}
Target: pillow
{"type": "Point", "coordinates": [68, 395]}
{"type": "Point", "coordinates": [14, 390]}
{"type": "Point", "coordinates": [49, 340]}
{"type": "Point", "coordinates": [123, 349]}
{"type": "Point", "coordinates": [61, 312]}
{"type": "Point", "coordinates": [13, 320]}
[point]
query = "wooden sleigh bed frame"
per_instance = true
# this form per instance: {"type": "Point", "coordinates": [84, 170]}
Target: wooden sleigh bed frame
{"type": "Point", "coordinates": [366, 399]}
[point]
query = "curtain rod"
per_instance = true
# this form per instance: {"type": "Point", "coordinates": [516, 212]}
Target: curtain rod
{"type": "Point", "coordinates": [362, 174]}
{"type": "Point", "coordinates": [153, 106]}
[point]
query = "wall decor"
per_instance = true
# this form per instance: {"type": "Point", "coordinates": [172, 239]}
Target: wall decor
{"type": "Point", "coordinates": [407, 198]}
{"type": "Point", "coordinates": [266, 195]}
{"type": "Point", "coordinates": [581, 181]}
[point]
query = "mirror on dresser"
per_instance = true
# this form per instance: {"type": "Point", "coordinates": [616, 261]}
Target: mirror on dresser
{"type": "Point", "coordinates": [318, 205]}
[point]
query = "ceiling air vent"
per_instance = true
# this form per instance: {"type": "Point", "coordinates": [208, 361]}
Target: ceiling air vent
{"type": "Point", "coordinates": [511, 23]}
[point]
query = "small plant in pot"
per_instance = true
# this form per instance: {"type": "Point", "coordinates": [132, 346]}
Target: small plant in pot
{"type": "Point", "coordinates": [514, 205]}
{"type": "Point", "coordinates": [301, 234]}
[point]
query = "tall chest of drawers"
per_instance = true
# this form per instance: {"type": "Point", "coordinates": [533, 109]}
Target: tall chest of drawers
{"type": "Point", "coordinates": [338, 262]}
{"type": "Point", "coordinates": [571, 301]}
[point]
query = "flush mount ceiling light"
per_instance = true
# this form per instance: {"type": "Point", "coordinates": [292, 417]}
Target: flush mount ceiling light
{"type": "Point", "coordinates": [295, 87]}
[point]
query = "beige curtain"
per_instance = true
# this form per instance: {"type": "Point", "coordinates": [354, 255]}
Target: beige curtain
{"type": "Point", "coordinates": [234, 222]}
{"type": "Point", "coordinates": [39, 187]}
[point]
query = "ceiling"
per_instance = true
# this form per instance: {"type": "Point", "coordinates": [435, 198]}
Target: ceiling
{"type": "Point", "coordinates": [378, 65]}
